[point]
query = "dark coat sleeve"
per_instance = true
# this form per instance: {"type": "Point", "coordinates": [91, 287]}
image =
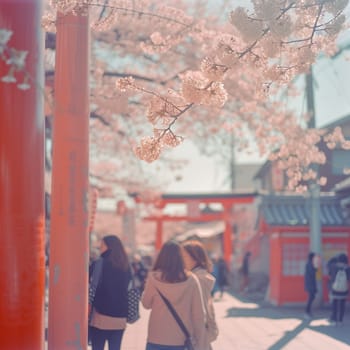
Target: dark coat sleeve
{"type": "Point", "coordinates": [310, 278]}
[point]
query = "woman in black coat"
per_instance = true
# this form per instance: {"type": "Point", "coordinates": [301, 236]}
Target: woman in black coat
{"type": "Point", "coordinates": [310, 283]}
{"type": "Point", "coordinates": [110, 303]}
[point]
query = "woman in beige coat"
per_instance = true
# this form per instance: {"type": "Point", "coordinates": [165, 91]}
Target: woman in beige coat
{"type": "Point", "coordinates": [182, 289]}
{"type": "Point", "coordinates": [197, 261]}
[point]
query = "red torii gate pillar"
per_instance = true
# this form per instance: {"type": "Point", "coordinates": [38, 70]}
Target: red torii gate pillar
{"type": "Point", "coordinates": [227, 238]}
{"type": "Point", "coordinates": [69, 247]}
{"type": "Point", "coordinates": [159, 234]}
{"type": "Point", "coordinates": [22, 259]}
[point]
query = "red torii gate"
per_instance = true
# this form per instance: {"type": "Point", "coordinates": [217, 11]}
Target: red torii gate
{"type": "Point", "coordinates": [193, 201]}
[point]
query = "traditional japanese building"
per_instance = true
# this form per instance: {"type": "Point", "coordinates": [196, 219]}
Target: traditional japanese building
{"type": "Point", "coordinates": [283, 240]}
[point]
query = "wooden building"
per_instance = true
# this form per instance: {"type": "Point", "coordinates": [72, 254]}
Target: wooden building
{"type": "Point", "coordinates": [284, 237]}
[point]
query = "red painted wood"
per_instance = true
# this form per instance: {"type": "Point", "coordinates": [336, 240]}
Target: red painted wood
{"type": "Point", "coordinates": [70, 185]}
{"type": "Point", "coordinates": [202, 198]}
{"type": "Point", "coordinates": [203, 217]}
{"type": "Point", "coordinates": [227, 237]}
{"type": "Point", "coordinates": [22, 259]}
{"type": "Point", "coordinates": [290, 289]}
{"type": "Point", "coordinates": [159, 235]}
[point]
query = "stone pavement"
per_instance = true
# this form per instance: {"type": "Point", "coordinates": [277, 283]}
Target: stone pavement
{"type": "Point", "coordinates": [246, 325]}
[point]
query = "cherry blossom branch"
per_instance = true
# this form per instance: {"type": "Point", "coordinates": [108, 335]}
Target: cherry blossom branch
{"type": "Point", "coordinates": [142, 13]}
{"type": "Point", "coordinates": [80, 8]}
{"type": "Point", "coordinates": [143, 77]}
{"type": "Point", "coordinates": [94, 115]}
{"type": "Point", "coordinates": [265, 31]}
{"type": "Point", "coordinates": [103, 10]}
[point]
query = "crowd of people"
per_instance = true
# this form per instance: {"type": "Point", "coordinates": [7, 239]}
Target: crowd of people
{"type": "Point", "coordinates": [179, 290]}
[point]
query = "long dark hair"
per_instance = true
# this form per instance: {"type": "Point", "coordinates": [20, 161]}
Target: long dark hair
{"type": "Point", "coordinates": [197, 252]}
{"type": "Point", "coordinates": [343, 258]}
{"type": "Point", "coordinates": [117, 255]}
{"type": "Point", "coordinates": [170, 263]}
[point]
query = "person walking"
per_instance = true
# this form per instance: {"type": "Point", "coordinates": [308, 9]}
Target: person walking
{"type": "Point", "coordinates": [170, 279]}
{"type": "Point", "coordinates": [220, 272]}
{"type": "Point", "coordinates": [197, 261]}
{"type": "Point", "coordinates": [310, 285]}
{"type": "Point", "coordinates": [110, 302]}
{"type": "Point", "coordinates": [340, 276]}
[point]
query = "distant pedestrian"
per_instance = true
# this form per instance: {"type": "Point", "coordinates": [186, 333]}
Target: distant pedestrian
{"type": "Point", "coordinates": [220, 272]}
{"type": "Point", "coordinates": [139, 271]}
{"type": "Point", "coordinates": [340, 276]}
{"type": "Point", "coordinates": [244, 272]}
{"type": "Point", "coordinates": [310, 284]}
{"type": "Point", "coordinates": [110, 302]}
{"type": "Point", "coordinates": [197, 261]}
{"type": "Point", "coordinates": [181, 288]}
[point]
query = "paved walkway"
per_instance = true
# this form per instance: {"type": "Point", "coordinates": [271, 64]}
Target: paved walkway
{"type": "Point", "coordinates": [247, 326]}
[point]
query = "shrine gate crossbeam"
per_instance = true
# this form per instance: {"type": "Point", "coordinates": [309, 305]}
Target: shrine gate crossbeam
{"type": "Point", "coordinates": [194, 213]}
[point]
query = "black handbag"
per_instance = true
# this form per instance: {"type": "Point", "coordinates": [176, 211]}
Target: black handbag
{"type": "Point", "coordinates": [188, 341]}
{"type": "Point", "coordinates": [133, 302]}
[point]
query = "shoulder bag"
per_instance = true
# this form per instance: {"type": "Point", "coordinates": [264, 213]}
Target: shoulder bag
{"type": "Point", "coordinates": [133, 301]}
{"type": "Point", "coordinates": [188, 342]}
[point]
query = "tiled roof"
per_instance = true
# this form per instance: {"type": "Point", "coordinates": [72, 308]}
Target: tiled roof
{"type": "Point", "coordinates": [284, 210]}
